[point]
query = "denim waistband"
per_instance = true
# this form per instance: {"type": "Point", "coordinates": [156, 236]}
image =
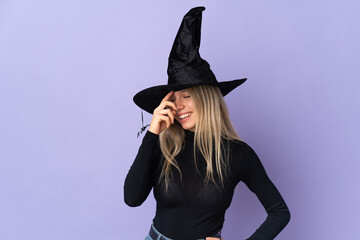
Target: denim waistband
{"type": "Point", "coordinates": [156, 235]}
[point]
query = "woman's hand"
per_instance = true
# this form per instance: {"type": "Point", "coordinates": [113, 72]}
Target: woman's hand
{"type": "Point", "coordinates": [163, 115]}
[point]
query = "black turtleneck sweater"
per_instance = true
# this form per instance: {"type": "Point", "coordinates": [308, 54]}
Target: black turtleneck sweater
{"type": "Point", "coordinates": [192, 210]}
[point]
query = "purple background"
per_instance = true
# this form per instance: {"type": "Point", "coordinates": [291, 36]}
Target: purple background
{"type": "Point", "coordinates": [69, 70]}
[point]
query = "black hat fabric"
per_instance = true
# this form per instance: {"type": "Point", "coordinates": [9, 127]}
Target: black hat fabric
{"type": "Point", "coordinates": [186, 68]}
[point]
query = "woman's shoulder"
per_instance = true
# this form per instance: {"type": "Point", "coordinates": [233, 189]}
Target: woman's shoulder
{"type": "Point", "coordinates": [238, 144]}
{"type": "Point", "coordinates": [241, 150]}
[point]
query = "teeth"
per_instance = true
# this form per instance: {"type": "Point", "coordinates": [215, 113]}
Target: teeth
{"type": "Point", "coordinates": [184, 115]}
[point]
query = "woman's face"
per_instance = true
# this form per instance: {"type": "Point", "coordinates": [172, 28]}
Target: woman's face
{"type": "Point", "coordinates": [185, 114]}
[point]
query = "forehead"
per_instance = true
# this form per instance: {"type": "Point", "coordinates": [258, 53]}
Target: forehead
{"type": "Point", "coordinates": [181, 91]}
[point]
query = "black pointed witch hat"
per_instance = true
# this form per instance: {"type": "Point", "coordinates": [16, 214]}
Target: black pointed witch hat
{"type": "Point", "coordinates": [186, 68]}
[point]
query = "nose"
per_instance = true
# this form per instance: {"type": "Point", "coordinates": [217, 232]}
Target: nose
{"type": "Point", "coordinates": [179, 104]}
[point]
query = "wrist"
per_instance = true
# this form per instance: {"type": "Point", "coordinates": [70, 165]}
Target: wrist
{"type": "Point", "coordinates": [153, 131]}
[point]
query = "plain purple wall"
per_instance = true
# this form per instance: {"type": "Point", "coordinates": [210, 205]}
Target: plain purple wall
{"type": "Point", "coordinates": [69, 70]}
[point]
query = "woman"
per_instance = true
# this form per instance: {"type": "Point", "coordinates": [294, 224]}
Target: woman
{"type": "Point", "coordinates": [191, 155]}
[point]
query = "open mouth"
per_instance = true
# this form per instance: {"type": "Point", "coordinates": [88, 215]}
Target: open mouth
{"type": "Point", "coordinates": [185, 116]}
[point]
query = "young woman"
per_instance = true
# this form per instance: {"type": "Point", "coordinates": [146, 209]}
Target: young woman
{"type": "Point", "coordinates": [191, 156]}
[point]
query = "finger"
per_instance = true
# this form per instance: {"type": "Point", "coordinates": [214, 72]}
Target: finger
{"type": "Point", "coordinates": [167, 97]}
{"type": "Point", "coordinates": [168, 104]}
{"type": "Point", "coordinates": [166, 119]}
{"type": "Point", "coordinates": [169, 113]}
{"type": "Point", "coordinates": [160, 109]}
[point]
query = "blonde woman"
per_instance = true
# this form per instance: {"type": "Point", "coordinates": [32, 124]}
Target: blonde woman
{"type": "Point", "coordinates": [191, 155]}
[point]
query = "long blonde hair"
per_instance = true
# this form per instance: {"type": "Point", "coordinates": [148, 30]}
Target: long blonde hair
{"type": "Point", "coordinates": [213, 126]}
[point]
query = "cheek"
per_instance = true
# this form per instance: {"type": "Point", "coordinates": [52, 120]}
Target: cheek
{"type": "Point", "coordinates": [191, 105]}
{"type": "Point", "coordinates": [192, 108]}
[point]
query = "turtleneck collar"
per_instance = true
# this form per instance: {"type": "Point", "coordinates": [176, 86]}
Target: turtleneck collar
{"type": "Point", "coordinates": [189, 134]}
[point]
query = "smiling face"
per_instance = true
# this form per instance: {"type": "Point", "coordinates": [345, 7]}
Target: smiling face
{"type": "Point", "coordinates": [185, 114]}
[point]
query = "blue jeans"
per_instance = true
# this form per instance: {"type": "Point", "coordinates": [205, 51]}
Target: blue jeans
{"type": "Point", "coordinates": [149, 238]}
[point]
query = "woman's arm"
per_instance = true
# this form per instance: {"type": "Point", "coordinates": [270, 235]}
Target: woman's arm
{"type": "Point", "coordinates": [257, 180]}
{"type": "Point", "coordinates": [140, 178]}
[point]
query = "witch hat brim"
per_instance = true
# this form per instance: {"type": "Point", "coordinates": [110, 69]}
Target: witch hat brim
{"type": "Point", "coordinates": [150, 98]}
{"type": "Point", "coordinates": [186, 68]}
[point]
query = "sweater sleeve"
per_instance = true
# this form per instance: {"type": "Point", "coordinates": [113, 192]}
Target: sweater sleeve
{"type": "Point", "coordinates": [140, 178]}
{"type": "Point", "coordinates": [257, 180]}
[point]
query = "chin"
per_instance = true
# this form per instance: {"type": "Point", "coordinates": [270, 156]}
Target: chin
{"type": "Point", "coordinates": [190, 128]}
